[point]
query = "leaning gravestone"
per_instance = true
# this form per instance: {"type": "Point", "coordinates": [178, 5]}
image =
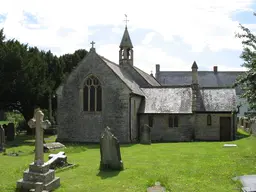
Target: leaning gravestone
{"type": "Point", "coordinates": [145, 135]}
{"type": "Point", "coordinates": [2, 139]}
{"type": "Point", "coordinates": [39, 176]}
{"type": "Point", "coordinates": [110, 152]}
{"type": "Point", "coordinates": [10, 132]}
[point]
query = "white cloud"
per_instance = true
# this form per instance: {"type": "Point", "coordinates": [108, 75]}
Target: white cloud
{"type": "Point", "coordinates": [199, 23]}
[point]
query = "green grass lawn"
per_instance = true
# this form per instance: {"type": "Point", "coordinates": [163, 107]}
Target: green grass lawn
{"type": "Point", "coordinates": [181, 167]}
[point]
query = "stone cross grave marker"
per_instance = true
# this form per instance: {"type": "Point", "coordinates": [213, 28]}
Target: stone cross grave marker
{"type": "Point", "coordinates": [57, 159]}
{"type": "Point", "coordinates": [2, 138]}
{"type": "Point", "coordinates": [110, 152]}
{"type": "Point", "coordinates": [145, 135]}
{"type": "Point", "coordinates": [38, 123]}
{"type": "Point", "coordinates": [39, 176]}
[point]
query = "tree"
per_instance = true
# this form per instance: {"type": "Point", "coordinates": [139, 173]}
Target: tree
{"type": "Point", "coordinates": [247, 81]}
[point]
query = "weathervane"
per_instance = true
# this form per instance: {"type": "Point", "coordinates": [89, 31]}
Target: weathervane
{"type": "Point", "coordinates": [126, 20]}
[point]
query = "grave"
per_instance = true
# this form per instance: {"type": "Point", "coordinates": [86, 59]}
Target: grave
{"type": "Point", "coordinates": [57, 160]}
{"type": "Point", "coordinates": [52, 146]}
{"type": "Point", "coordinates": [248, 182]}
{"type": "Point", "coordinates": [156, 188]}
{"type": "Point", "coordinates": [145, 135]}
{"type": "Point", "coordinates": [110, 152]}
{"type": "Point", "coordinates": [2, 139]}
{"type": "Point", "coordinates": [39, 176]}
{"type": "Point", "coordinates": [5, 129]}
{"type": "Point", "coordinates": [10, 132]}
{"type": "Point", "coordinates": [230, 145]}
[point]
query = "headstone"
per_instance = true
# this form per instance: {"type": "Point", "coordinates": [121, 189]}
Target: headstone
{"type": "Point", "coordinates": [110, 152]}
{"type": "Point", "coordinates": [10, 132]}
{"type": "Point", "coordinates": [52, 146]}
{"type": "Point", "coordinates": [39, 176]}
{"type": "Point", "coordinates": [2, 139]}
{"type": "Point", "coordinates": [57, 160]}
{"type": "Point", "coordinates": [156, 188]}
{"type": "Point", "coordinates": [5, 129]}
{"type": "Point", "coordinates": [145, 135]}
{"type": "Point", "coordinates": [230, 145]}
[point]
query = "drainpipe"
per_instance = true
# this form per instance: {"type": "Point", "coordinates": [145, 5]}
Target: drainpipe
{"type": "Point", "coordinates": [130, 124]}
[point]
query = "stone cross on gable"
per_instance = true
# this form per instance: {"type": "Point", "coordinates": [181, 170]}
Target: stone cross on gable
{"type": "Point", "coordinates": [92, 43]}
{"type": "Point", "coordinates": [38, 123]}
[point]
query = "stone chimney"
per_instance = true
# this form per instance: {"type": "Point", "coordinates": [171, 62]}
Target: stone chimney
{"type": "Point", "coordinates": [215, 69]}
{"type": "Point", "coordinates": [157, 71]}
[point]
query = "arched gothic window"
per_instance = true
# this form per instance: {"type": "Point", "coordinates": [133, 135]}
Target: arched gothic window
{"type": "Point", "coordinates": [92, 94]}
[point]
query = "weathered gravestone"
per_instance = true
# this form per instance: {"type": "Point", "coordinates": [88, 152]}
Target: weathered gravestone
{"type": "Point", "coordinates": [145, 135]}
{"type": "Point", "coordinates": [5, 129]}
{"type": "Point", "coordinates": [39, 176]}
{"type": "Point", "coordinates": [10, 132]}
{"type": "Point", "coordinates": [110, 152]}
{"type": "Point", "coordinates": [52, 146]}
{"type": "Point", "coordinates": [2, 139]}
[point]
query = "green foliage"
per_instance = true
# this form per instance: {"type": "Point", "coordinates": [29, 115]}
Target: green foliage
{"type": "Point", "coordinates": [28, 75]}
{"type": "Point", "coordinates": [248, 81]}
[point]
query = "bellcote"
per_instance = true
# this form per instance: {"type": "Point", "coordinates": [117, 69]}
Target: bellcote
{"type": "Point", "coordinates": [126, 49]}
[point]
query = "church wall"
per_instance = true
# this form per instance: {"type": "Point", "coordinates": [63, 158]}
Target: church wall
{"type": "Point", "coordinates": [160, 132]}
{"type": "Point", "coordinates": [75, 125]}
{"type": "Point", "coordinates": [210, 132]}
{"type": "Point", "coordinates": [135, 104]}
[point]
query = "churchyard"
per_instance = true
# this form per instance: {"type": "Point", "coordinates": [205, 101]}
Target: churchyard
{"type": "Point", "coordinates": [195, 166]}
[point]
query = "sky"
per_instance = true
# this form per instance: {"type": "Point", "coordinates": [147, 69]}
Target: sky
{"type": "Point", "coordinates": [167, 32]}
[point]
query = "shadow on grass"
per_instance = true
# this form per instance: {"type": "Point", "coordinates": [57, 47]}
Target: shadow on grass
{"type": "Point", "coordinates": [107, 174]}
{"type": "Point", "coordinates": [23, 140]}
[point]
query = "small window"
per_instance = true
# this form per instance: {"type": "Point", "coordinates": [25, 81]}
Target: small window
{"type": "Point", "coordinates": [209, 120]}
{"type": "Point", "coordinates": [173, 121]}
{"type": "Point", "coordinates": [170, 121]}
{"type": "Point", "coordinates": [150, 121]}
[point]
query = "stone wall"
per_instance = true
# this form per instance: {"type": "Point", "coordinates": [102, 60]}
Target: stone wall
{"type": "Point", "coordinates": [161, 132]}
{"type": "Point", "coordinates": [210, 132]}
{"type": "Point", "coordinates": [76, 125]}
{"type": "Point", "coordinates": [135, 105]}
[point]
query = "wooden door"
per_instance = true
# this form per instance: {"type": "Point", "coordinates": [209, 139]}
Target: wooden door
{"type": "Point", "coordinates": [225, 128]}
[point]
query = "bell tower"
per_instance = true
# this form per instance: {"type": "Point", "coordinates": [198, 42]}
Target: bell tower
{"type": "Point", "coordinates": [126, 48]}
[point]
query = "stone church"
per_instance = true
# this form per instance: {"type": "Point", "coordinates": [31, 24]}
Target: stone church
{"type": "Point", "coordinates": [100, 93]}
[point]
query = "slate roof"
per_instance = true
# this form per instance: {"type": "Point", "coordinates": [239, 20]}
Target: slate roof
{"type": "Point", "coordinates": [205, 78]}
{"type": "Point", "coordinates": [124, 76]}
{"type": "Point", "coordinates": [167, 100]}
{"type": "Point", "coordinates": [151, 80]}
{"type": "Point", "coordinates": [218, 99]}
{"type": "Point", "coordinates": [126, 40]}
